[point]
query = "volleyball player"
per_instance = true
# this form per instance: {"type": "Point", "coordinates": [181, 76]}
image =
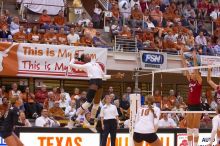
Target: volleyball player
{"type": "Point", "coordinates": [215, 128]}
{"type": "Point", "coordinates": [195, 89]}
{"type": "Point", "coordinates": [96, 75]}
{"type": "Point", "coordinates": [213, 85]}
{"type": "Point", "coordinates": [147, 115]}
{"type": "Point", "coordinates": [10, 122]}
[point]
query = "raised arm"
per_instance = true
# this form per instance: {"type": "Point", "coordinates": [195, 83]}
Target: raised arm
{"type": "Point", "coordinates": [209, 80]}
{"type": "Point", "coordinates": [184, 65]}
{"type": "Point", "coordinates": [196, 71]}
{"type": "Point", "coordinates": [77, 66]}
{"type": "Point", "coordinates": [214, 130]}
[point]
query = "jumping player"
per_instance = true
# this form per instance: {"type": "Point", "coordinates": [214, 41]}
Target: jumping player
{"type": "Point", "coordinates": [215, 128]}
{"type": "Point", "coordinates": [147, 115]}
{"type": "Point", "coordinates": [195, 89]}
{"type": "Point", "coordinates": [10, 122]}
{"type": "Point", "coordinates": [96, 75]}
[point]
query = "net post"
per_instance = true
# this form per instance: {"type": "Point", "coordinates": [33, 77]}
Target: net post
{"type": "Point", "coordinates": [152, 84]}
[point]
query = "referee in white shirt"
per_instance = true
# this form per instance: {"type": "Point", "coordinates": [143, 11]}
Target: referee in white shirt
{"type": "Point", "coordinates": [109, 121]}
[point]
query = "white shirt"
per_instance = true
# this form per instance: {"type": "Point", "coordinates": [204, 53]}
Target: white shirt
{"type": "Point", "coordinates": [84, 22]}
{"type": "Point", "coordinates": [215, 14]}
{"type": "Point", "coordinates": [167, 123]}
{"type": "Point", "coordinates": [215, 127]}
{"type": "Point", "coordinates": [109, 112]}
{"type": "Point", "coordinates": [63, 104]}
{"type": "Point", "coordinates": [44, 122]}
{"type": "Point", "coordinates": [127, 123]}
{"type": "Point", "coordinates": [73, 38]}
{"type": "Point", "coordinates": [145, 117]}
{"type": "Point", "coordinates": [93, 69]}
{"type": "Point", "coordinates": [68, 111]}
{"type": "Point", "coordinates": [201, 40]}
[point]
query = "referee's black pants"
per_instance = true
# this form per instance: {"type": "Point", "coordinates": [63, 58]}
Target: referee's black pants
{"type": "Point", "coordinates": [110, 126]}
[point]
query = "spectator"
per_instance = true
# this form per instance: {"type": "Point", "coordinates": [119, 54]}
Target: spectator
{"type": "Point", "coordinates": [115, 29]}
{"type": "Point", "coordinates": [137, 16]}
{"type": "Point", "coordinates": [34, 36]}
{"type": "Point", "coordinates": [50, 37]}
{"type": "Point", "coordinates": [127, 93]}
{"type": "Point", "coordinates": [125, 32]}
{"type": "Point", "coordinates": [41, 94]}
{"type": "Point", "coordinates": [166, 122]}
{"type": "Point", "coordinates": [67, 95]}
{"type": "Point", "coordinates": [14, 26]}
{"type": "Point", "coordinates": [124, 105]}
{"type": "Point", "coordinates": [98, 41]}
{"type": "Point", "coordinates": [14, 93]}
{"type": "Point", "coordinates": [117, 104]}
{"type": "Point", "coordinates": [83, 21]}
{"type": "Point", "coordinates": [59, 21]}
{"type": "Point", "coordinates": [73, 37]}
{"type": "Point", "coordinates": [157, 16]}
{"type": "Point", "coordinates": [5, 33]}
{"type": "Point", "coordinates": [148, 23]}
{"type": "Point", "coordinates": [63, 101]}
{"type": "Point", "coordinates": [80, 119]}
{"type": "Point", "coordinates": [217, 48]}
{"type": "Point", "coordinates": [61, 37]}
{"type": "Point", "coordinates": [70, 109]}
{"type": "Point", "coordinates": [205, 106]}
{"type": "Point", "coordinates": [56, 112]}
{"type": "Point", "coordinates": [201, 41]}
{"type": "Point", "coordinates": [172, 97]}
{"type": "Point", "coordinates": [215, 14]}
{"type": "Point", "coordinates": [49, 102]}
{"type": "Point", "coordinates": [97, 14]}
{"type": "Point", "coordinates": [89, 31]}
{"type": "Point", "coordinates": [7, 16]}
{"type": "Point", "coordinates": [31, 108]}
{"type": "Point", "coordinates": [115, 12]}
{"type": "Point", "coordinates": [158, 98]}
{"type": "Point", "coordinates": [3, 21]}
{"type": "Point", "coordinates": [143, 5]}
{"type": "Point", "coordinates": [21, 36]}
{"type": "Point", "coordinates": [4, 106]}
{"type": "Point", "coordinates": [56, 93]}
{"type": "Point", "coordinates": [45, 20]}
{"type": "Point", "coordinates": [214, 103]}
{"type": "Point", "coordinates": [76, 94]}
{"type": "Point", "coordinates": [166, 104]}
{"type": "Point", "coordinates": [45, 121]}
{"type": "Point", "coordinates": [81, 99]}
{"type": "Point", "coordinates": [23, 120]}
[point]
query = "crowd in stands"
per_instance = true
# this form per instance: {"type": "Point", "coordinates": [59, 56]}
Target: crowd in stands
{"type": "Point", "coordinates": [159, 25]}
{"type": "Point", "coordinates": [54, 107]}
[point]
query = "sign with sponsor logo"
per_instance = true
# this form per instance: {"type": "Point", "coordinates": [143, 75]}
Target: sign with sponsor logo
{"type": "Point", "coordinates": [153, 60]}
{"type": "Point", "coordinates": [43, 60]}
{"type": "Point", "coordinates": [123, 139]}
{"type": "Point", "coordinates": [2, 142]}
{"type": "Point", "coordinates": [210, 60]}
{"type": "Point", "coordinates": [204, 139]}
{"type": "Point", "coordinates": [60, 139]}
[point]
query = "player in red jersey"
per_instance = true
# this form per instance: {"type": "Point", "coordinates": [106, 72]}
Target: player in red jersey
{"type": "Point", "coordinates": [195, 89]}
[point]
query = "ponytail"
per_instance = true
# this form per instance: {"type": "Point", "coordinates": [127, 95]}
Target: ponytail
{"type": "Point", "coordinates": [149, 101]}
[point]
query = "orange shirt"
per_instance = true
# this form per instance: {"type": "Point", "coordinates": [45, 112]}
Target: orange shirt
{"type": "Point", "coordinates": [13, 94]}
{"type": "Point", "coordinates": [126, 34]}
{"type": "Point", "coordinates": [57, 112]}
{"type": "Point", "coordinates": [44, 19]}
{"type": "Point", "coordinates": [158, 99]}
{"type": "Point", "coordinates": [26, 98]}
{"type": "Point", "coordinates": [50, 38]}
{"type": "Point", "coordinates": [166, 104]}
{"type": "Point", "coordinates": [62, 38]}
{"type": "Point", "coordinates": [3, 24]}
{"type": "Point", "coordinates": [20, 37]}
{"type": "Point", "coordinates": [137, 14]}
{"type": "Point", "coordinates": [115, 12]}
{"type": "Point", "coordinates": [148, 36]}
{"type": "Point", "coordinates": [59, 20]}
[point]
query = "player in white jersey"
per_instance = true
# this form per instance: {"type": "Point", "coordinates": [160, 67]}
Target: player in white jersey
{"type": "Point", "coordinates": [146, 124]}
{"type": "Point", "coordinates": [96, 75]}
{"type": "Point", "coordinates": [215, 128]}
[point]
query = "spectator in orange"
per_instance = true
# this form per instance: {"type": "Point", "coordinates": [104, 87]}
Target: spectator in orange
{"type": "Point", "coordinates": [41, 94]}
{"type": "Point", "coordinates": [61, 37]}
{"type": "Point", "coordinates": [56, 112]}
{"type": "Point", "coordinates": [4, 106]}
{"type": "Point", "coordinates": [20, 36]}
{"type": "Point", "coordinates": [166, 104]}
{"type": "Point", "coordinates": [76, 94]}
{"type": "Point", "coordinates": [90, 31]}
{"type": "Point", "coordinates": [56, 94]}
{"type": "Point", "coordinates": [137, 17]}
{"type": "Point", "coordinates": [59, 21]}
{"type": "Point", "coordinates": [50, 37]}
{"type": "Point", "coordinates": [172, 97]}
{"type": "Point", "coordinates": [14, 93]}
{"type": "Point", "coordinates": [49, 102]}
{"type": "Point", "coordinates": [125, 32]}
{"type": "Point", "coordinates": [86, 40]}
{"type": "Point", "coordinates": [3, 21]}
{"type": "Point", "coordinates": [158, 98]}
{"type": "Point", "coordinates": [34, 36]}
{"type": "Point", "coordinates": [157, 16]}
{"type": "Point", "coordinates": [45, 20]}
{"type": "Point", "coordinates": [115, 12]}
{"type": "Point", "coordinates": [148, 38]}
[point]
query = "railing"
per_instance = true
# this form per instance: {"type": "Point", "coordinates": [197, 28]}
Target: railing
{"type": "Point", "coordinates": [124, 44]}
{"type": "Point", "coordinates": [104, 3]}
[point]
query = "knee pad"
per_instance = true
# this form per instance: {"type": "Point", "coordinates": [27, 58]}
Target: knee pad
{"type": "Point", "coordinates": [85, 105]}
{"type": "Point", "coordinates": [90, 95]}
{"type": "Point", "coordinates": [196, 132]}
{"type": "Point", "coordinates": [189, 132]}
